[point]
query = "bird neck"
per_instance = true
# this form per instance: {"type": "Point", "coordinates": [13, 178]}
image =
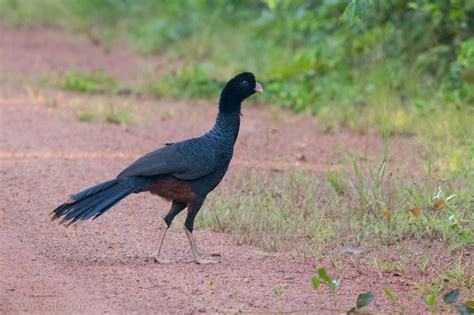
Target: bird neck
{"type": "Point", "coordinates": [226, 128]}
{"type": "Point", "coordinates": [229, 102]}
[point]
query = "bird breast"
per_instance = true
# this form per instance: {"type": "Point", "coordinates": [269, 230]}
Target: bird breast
{"type": "Point", "coordinates": [173, 189]}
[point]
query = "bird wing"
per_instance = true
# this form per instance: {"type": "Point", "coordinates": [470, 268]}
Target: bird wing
{"type": "Point", "coordinates": [187, 160]}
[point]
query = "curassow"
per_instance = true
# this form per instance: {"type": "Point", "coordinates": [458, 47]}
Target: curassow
{"type": "Point", "coordinates": [183, 172]}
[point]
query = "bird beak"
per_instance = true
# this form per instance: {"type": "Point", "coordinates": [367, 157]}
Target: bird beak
{"type": "Point", "coordinates": [258, 88]}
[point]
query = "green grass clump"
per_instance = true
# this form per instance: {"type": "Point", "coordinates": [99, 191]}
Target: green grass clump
{"type": "Point", "coordinates": [120, 115]}
{"type": "Point", "coordinates": [93, 82]}
{"type": "Point", "coordinates": [99, 111]}
{"type": "Point", "coordinates": [272, 212]}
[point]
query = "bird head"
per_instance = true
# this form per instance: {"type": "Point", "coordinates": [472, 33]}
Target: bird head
{"type": "Point", "coordinates": [240, 87]}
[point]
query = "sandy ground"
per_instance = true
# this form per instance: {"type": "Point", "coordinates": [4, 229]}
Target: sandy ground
{"type": "Point", "coordinates": [104, 266]}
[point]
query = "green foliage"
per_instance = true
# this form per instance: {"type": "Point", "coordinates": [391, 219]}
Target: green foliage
{"type": "Point", "coordinates": [466, 308]}
{"type": "Point", "coordinates": [451, 297]}
{"type": "Point", "coordinates": [364, 299]}
{"type": "Point", "coordinates": [190, 82]}
{"type": "Point", "coordinates": [94, 82]}
{"type": "Point", "coordinates": [303, 51]}
{"type": "Point", "coordinates": [327, 280]}
{"type": "Point", "coordinates": [431, 296]}
{"type": "Point", "coordinates": [337, 182]}
{"type": "Point", "coordinates": [390, 294]}
{"type": "Point", "coordinates": [359, 9]}
{"type": "Point", "coordinates": [323, 277]}
{"type": "Point", "coordinates": [431, 299]}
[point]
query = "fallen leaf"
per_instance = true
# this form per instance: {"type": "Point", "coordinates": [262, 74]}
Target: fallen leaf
{"type": "Point", "coordinates": [364, 299]}
{"type": "Point", "coordinates": [439, 204]}
{"type": "Point", "coordinates": [35, 98]}
{"type": "Point", "coordinates": [416, 212]}
{"type": "Point", "coordinates": [451, 297]}
{"type": "Point", "coordinates": [387, 214]}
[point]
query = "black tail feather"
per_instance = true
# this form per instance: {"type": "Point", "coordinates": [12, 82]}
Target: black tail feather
{"type": "Point", "coordinates": [93, 190]}
{"type": "Point", "coordinates": [88, 204]}
{"type": "Point", "coordinates": [94, 201]}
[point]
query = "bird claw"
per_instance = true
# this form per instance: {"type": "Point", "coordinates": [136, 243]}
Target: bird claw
{"type": "Point", "coordinates": [160, 260]}
{"type": "Point", "coordinates": [204, 261]}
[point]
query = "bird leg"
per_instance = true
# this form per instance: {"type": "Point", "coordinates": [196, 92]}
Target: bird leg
{"type": "Point", "coordinates": [176, 208]}
{"type": "Point", "coordinates": [192, 242]}
{"type": "Point", "coordinates": [159, 243]}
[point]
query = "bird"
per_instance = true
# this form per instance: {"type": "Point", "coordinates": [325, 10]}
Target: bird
{"type": "Point", "coordinates": [183, 173]}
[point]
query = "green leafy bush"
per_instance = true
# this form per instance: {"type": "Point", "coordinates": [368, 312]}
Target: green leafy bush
{"type": "Point", "coordinates": [309, 52]}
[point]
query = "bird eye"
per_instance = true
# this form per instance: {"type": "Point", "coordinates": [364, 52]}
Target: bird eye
{"type": "Point", "coordinates": [244, 84]}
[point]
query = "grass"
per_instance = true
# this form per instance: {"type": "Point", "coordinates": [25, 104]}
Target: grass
{"type": "Point", "coordinates": [423, 264]}
{"type": "Point", "coordinates": [121, 114]}
{"type": "Point", "coordinates": [112, 111]}
{"type": "Point", "coordinates": [93, 82]}
{"type": "Point", "coordinates": [364, 204]}
{"type": "Point", "coordinates": [383, 266]}
{"type": "Point", "coordinates": [300, 211]}
{"type": "Point", "coordinates": [458, 275]}
{"type": "Point", "coordinates": [311, 215]}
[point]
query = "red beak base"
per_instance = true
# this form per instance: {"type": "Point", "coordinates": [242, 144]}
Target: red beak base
{"type": "Point", "coordinates": [258, 88]}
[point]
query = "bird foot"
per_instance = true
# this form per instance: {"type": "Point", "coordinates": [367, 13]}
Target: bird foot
{"type": "Point", "coordinates": [201, 261]}
{"type": "Point", "coordinates": [160, 260]}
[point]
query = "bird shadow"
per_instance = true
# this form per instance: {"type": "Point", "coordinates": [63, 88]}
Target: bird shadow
{"type": "Point", "coordinates": [124, 261]}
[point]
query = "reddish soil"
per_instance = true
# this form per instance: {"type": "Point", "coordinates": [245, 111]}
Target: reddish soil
{"type": "Point", "coordinates": [104, 265]}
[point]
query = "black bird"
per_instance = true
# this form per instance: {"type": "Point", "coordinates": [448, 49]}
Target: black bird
{"type": "Point", "coordinates": [183, 172]}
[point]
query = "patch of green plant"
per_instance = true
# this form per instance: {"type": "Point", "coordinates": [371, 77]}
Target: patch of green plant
{"type": "Point", "coordinates": [272, 212]}
{"type": "Point", "coordinates": [337, 182]}
{"type": "Point", "coordinates": [188, 82]}
{"type": "Point", "coordinates": [465, 308]}
{"type": "Point", "coordinates": [99, 111]}
{"type": "Point", "coordinates": [363, 300]}
{"type": "Point", "coordinates": [431, 300]}
{"type": "Point", "coordinates": [92, 82]}
{"type": "Point", "coordinates": [323, 277]}
{"type": "Point", "coordinates": [458, 276]}
{"type": "Point", "coordinates": [386, 266]}
{"type": "Point", "coordinates": [450, 298]}
{"type": "Point", "coordinates": [120, 115]}
{"type": "Point", "coordinates": [85, 114]}
{"type": "Point", "coordinates": [393, 297]}
{"type": "Point", "coordinates": [423, 263]}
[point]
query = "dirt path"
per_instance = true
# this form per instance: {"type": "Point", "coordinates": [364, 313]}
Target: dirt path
{"type": "Point", "coordinates": [104, 266]}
